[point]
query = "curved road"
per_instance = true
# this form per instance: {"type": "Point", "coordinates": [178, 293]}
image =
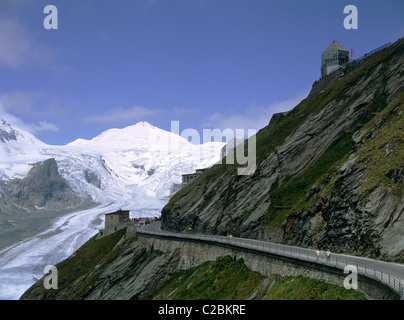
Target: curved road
{"type": "Point", "coordinates": [390, 273]}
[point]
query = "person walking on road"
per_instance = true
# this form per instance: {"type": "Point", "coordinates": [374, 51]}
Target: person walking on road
{"type": "Point", "coordinates": [318, 253]}
{"type": "Point", "coordinates": [328, 255]}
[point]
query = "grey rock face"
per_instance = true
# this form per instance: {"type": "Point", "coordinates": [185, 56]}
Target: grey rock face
{"type": "Point", "coordinates": [29, 205]}
{"type": "Point", "coordinates": [92, 178]}
{"type": "Point", "coordinates": [369, 225]}
{"type": "Point", "coordinates": [6, 132]}
{"type": "Point", "coordinates": [42, 188]}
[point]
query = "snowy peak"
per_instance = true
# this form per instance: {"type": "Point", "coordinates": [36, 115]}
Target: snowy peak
{"type": "Point", "coordinates": [142, 135]}
{"type": "Point", "coordinates": [7, 133]}
{"type": "Point", "coordinates": [17, 141]}
{"type": "Point", "coordinates": [117, 164]}
{"type": "Point", "coordinates": [18, 149]}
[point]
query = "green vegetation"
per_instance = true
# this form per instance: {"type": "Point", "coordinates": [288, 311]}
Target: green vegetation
{"type": "Point", "coordinates": [385, 152]}
{"type": "Point", "coordinates": [293, 193]}
{"type": "Point", "coordinates": [209, 196]}
{"type": "Point", "coordinates": [209, 176]}
{"type": "Point", "coordinates": [325, 170]}
{"type": "Point", "coordinates": [301, 288]}
{"type": "Point", "coordinates": [399, 260]}
{"type": "Point", "coordinates": [88, 258]}
{"type": "Point", "coordinates": [226, 279]}
{"type": "Point", "coordinates": [223, 279]}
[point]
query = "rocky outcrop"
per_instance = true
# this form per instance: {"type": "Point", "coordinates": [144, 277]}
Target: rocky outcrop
{"type": "Point", "coordinates": [28, 206]}
{"type": "Point", "coordinates": [92, 178]}
{"type": "Point", "coordinates": [6, 132]}
{"type": "Point", "coordinates": [42, 188]}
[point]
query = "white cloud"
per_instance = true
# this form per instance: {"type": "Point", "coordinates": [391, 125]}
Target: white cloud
{"type": "Point", "coordinates": [254, 117]}
{"type": "Point", "coordinates": [32, 127]}
{"type": "Point", "coordinates": [20, 101]}
{"type": "Point", "coordinates": [121, 114]}
{"type": "Point", "coordinates": [42, 126]}
{"type": "Point", "coordinates": [19, 48]}
{"type": "Point", "coordinates": [30, 103]}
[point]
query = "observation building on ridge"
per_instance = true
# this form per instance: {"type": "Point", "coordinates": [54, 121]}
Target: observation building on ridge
{"type": "Point", "coordinates": [334, 56]}
{"type": "Point", "coordinates": [186, 178]}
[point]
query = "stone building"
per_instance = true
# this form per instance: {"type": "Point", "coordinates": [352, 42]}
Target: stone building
{"type": "Point", "coordinates": [114, 221]}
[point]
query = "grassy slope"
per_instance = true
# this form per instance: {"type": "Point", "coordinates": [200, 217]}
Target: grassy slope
{"type": "Point", "coordinates": [373, 152]}
{"type": "Point", "coordinates": [301, 288]}
{"type": "Point", "coordinates": [293, 192]}
{"type": "Point", "coordinates": [225, 279]}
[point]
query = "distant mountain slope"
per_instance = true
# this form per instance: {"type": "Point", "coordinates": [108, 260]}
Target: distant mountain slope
{"type": "Point", "coordinates": [310, 188]}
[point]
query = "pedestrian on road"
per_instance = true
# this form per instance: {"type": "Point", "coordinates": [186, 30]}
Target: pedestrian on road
{"type": "Point", "coordinates": [328, 255]}
{"type": "Point", "coordinates": [322, 254]}
{"type": "Point", "coordinates": [318, 253]}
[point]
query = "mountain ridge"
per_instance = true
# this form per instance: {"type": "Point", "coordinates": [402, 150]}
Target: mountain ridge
{"type": "Point", "coordinates": [294, 154]}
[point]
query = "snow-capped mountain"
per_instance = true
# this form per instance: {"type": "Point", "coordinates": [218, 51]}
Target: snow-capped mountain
{"type": "Point", "coordinates": [140, 162]}
{"type": "Point", "coordinates": [132, 168]}
{"type": "Point", "coordinates": [18, 148]}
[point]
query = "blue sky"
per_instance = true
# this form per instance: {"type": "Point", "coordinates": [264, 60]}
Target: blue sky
{"type": "Point", "coordinates": [206, 63]}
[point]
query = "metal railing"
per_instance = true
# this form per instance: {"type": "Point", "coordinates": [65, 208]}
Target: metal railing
{"type": "Point", "coordinates": [335, 260]}
{"type": "Point", "coordinates": [367, 55]}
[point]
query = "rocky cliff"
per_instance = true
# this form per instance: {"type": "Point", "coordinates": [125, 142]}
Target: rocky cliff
{"type": "Point", "coordinates": [30, 204]}
{"type": "Point", "coordinates": [42, 188]}
{"type": "Point", "coordinates": [329, 172]}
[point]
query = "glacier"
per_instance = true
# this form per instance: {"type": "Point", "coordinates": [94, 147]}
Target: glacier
{"type": "Point", "coordinates": [134, 169]}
